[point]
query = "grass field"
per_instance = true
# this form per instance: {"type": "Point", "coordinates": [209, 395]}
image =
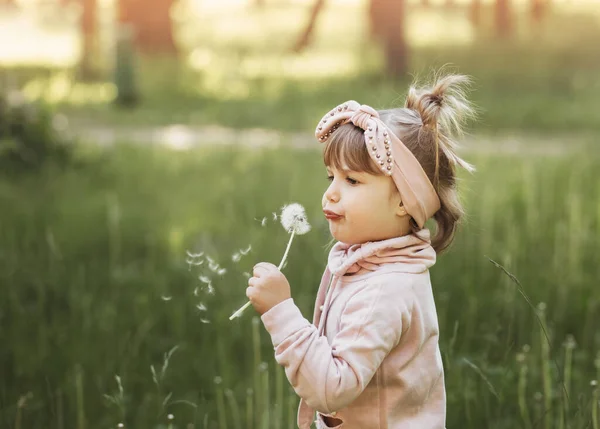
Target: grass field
{"type": "Point", "coordinates": [96, 284]}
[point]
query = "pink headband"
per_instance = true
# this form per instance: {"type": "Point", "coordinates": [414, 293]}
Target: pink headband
{"type": "Point", "coordinates": [390, 154]}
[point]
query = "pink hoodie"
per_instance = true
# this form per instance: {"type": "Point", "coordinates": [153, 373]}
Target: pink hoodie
{"type": "Point", "coordinates": [372, 358]}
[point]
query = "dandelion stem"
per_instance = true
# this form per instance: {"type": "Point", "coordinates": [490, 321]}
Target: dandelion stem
{"type": "Point", "coordinates": [287, 250]}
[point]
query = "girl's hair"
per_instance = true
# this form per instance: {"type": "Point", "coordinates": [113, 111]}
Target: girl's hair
{"type": "Point", "coordinates": [431, 117]}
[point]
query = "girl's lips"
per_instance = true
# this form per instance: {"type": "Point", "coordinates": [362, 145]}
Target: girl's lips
{"type": "Point", "coordinates": [332, 216]}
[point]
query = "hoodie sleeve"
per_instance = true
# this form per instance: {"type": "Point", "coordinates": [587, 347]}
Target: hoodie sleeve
{"type": "Point", "coordinates": [330, 377]}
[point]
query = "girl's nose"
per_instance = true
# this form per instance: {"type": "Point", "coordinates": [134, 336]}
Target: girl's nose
{"type": "Point", "coordinates": [331, 194]}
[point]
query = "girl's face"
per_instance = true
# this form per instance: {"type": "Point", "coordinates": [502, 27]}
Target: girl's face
{"type": "Point", "coordinates": [368, 205]}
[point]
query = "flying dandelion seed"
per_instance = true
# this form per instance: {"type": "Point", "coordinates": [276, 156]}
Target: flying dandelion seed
{"type": "Point", "coordinates": [236, 257]}
{"type": "Point", "coordinates": [213, 267]}
{"type": "Point", "coordinates": [196, 291]}
{"type": "Point", "coordinates": [194, 255]}
{"type": "Point", "coordinates": [245, 252]}
{"type": "Point", "coordinates": [195, 263]}
{"type": "Point", "coordinates": [201, 307]}
{"type": "Point", "coordinates": [166, 298]}
{"type": "Point", "coordinates": [274, 216]}
{"type": "Point", "coordinates": [204, 279]}
{"type": "Point", "coordinates": [211, 289]}
{"type": "Point", "coordinates": [205, 321]}
{"type": "Point", "coordinates": [120, 425]}
{"type": "Point", "coordinates": [222, 271]}
{"type": "Point", "coordinates": [262, 221]}
{"type": "Point", "coordinates": [246, 274]}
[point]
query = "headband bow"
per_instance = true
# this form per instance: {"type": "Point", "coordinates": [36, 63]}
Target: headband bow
{"type": "Point", "coordinates": [390, 154]}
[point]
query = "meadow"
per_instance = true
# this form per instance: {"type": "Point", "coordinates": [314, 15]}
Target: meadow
{"type": "Point", "coordinates": [106, 321]}
{"type": "Point", "coordinates": [97, 284]}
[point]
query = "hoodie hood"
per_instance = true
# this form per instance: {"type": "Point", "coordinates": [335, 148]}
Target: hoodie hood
{"type": "Point", "coordinates": [411, 253]}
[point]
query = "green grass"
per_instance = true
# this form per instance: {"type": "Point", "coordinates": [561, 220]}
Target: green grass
{"type": "Point", "coordinates": [89, 255]}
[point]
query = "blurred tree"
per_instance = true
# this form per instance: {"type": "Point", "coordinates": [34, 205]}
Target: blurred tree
{"type": "Point", "coordinates": [128, 94]}
{"type": "Point", "coordinates": [538, 10]}
{"type": "Point", "coordinates": [387, 26]}
{"type": "Point", "coordinates": [88, 33]}
{"type": "Point", "coordinates": [152, 25]}
{"type": "Point", "coordinates": [305, 37]}
{"type": "Point", "coordinates": [386, 19]}
{"type": "Point", "coordinates": [475, 13]}
{"type": "Point", "coordinates": [503, 19]}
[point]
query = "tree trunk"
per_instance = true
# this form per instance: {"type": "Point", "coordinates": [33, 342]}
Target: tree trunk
{"type": "Point", "coordinates": [391, 25]}
{"type": "Point", "coordinates": [305, 37]}
{"type": "Point", "coordinates": [88, 35]}
{"type": "Point", "coordinates": [376, 9]}
{"type": "Point", "coordinates": [476, 13]}
{"type": "Point", "coordinates": [503, 19]}
{"type": "Point", "coordinates": [153, 31]}
{"type": "Point", "coordinates": [538, 9]}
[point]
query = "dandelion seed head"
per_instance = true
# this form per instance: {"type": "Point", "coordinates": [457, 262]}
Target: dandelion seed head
{"type": "Point", "coordinates": [293, 219]}
{"type": "Point", "coordinates": [170, 416]}
{"type": "Point", "coordinates": [218, 380]}
{"type": "Point", "coordinates": [593, 383]}
{"type": "Point", "coordinates": [120, 425]}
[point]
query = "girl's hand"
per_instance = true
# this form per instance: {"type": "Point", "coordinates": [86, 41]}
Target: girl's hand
{"type": "Point", "coordinates": [267, 288]}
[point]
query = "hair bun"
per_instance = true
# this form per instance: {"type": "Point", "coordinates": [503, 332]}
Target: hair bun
{"type": "Point", "coordinates": [444, 108]}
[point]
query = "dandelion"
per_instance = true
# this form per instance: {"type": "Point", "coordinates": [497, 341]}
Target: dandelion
{"type": "Point", "coordinates": [263, 221]}
{"type": "Point", "coordinates": [293, 219]}
{"type": "Point", "coordinates": [191, 262]}
{"type": "Point", "coordinates": [194, 255]}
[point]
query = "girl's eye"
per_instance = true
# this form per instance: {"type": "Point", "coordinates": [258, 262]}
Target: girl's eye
{"type": "Point", "coordinates": [348, 179]}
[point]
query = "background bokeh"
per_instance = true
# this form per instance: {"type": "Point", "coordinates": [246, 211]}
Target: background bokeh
{"type": "Point", "coordinates": [134, 134]}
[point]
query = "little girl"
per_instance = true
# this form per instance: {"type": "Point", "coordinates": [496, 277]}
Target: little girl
{"type": "Point", "coordinates": [371, 358]}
